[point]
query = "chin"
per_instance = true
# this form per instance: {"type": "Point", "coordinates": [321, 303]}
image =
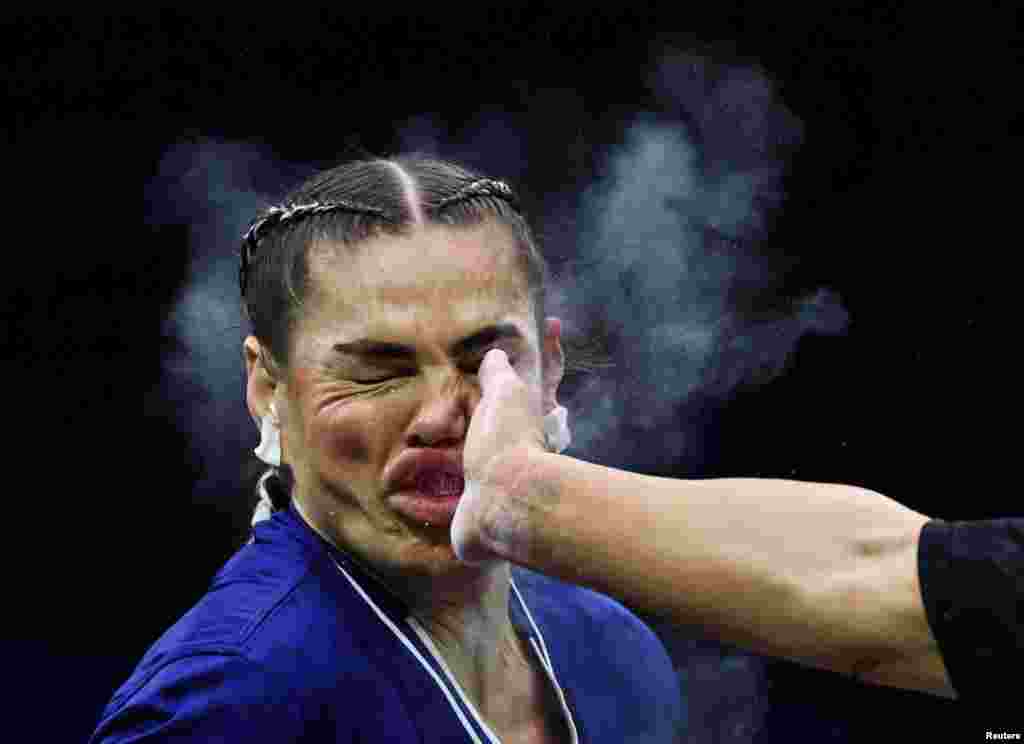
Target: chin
{"type": "Point", "coordinates": [437, 559]}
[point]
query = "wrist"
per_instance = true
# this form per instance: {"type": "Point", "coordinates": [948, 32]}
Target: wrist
{"type": "Point", "coordinates": [521, 498]}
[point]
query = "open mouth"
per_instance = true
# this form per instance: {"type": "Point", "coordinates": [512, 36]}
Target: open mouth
{"type": "Point", "coordinates": [439, 484]}
{"type": "Point", "coordinates": [431, 498]}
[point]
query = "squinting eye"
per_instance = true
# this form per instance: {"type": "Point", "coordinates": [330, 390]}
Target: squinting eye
{"type": "Point", "coordinates": [377, 380]}
{"type": "Point", "coordinates": [374, 381]}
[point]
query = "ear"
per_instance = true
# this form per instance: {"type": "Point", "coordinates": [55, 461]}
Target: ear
{"type": "Point", "coordinates": [260, 386]}
{"type": "Point", "coordinates": [554, 363]}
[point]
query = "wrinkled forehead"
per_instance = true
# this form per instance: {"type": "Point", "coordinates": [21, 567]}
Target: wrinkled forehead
{"type": "Point", "coordinates": [437, 280]}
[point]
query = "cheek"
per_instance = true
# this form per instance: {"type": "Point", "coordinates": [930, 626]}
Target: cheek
{"type": "Point", "coordinates": [342, 436]}
{"type": "Point", "coordinates": [335, 427]}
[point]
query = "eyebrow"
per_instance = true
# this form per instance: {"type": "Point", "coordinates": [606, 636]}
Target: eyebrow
{"type": "Point", "coordinates": [464, 346]}
{"type": "Point", "coordinates": [485, 337]}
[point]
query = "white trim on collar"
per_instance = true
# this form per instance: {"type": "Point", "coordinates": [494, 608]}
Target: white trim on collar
{"type": "Point", "coordinates": [545, 658]}
{"type": "Point", "coordinates": [415, 652]}
{"type": "Point", "coordinates": [540, 650]}
{"type": "Point", "coordinates": [429, 643]}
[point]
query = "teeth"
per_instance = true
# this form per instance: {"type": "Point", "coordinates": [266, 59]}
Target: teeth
{"type": "Point", "coordinates": [451, 485]}
{"type": "Point", "coordinates": [440, 484]}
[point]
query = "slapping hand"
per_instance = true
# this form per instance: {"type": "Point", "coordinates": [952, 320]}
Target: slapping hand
{"type": "Point", "coordinates": [504, 433]}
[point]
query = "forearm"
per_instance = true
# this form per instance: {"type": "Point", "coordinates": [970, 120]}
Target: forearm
{"type": "Point", "coordinates": [819, 573]}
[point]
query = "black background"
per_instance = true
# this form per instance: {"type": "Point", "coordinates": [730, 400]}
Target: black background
{"type": "Point", "coordinates": [901, 198]}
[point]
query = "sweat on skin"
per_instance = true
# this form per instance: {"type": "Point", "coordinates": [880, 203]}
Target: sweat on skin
{"type": "Point", "coordinates": [346, 418]}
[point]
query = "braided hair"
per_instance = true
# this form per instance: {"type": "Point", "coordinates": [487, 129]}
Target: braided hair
{"type": "Point", "coordinates": [348, 205]}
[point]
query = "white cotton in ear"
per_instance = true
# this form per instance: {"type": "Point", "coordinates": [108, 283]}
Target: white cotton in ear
{"type": "Point", "coordinates": [556, 429]}
{"type": "Point", "coordinates": [269, 449]}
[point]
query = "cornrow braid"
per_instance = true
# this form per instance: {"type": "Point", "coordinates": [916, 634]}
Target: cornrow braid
{"type": "Point", "coordinates": [277, 215]}
{"type": "Point", "coordinates": [480, 188]}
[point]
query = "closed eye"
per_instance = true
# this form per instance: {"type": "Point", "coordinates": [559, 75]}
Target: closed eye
{"type": "Point", "coordinates": [383, 378]}
{"type": "Point", "coordinates": [471, 366]}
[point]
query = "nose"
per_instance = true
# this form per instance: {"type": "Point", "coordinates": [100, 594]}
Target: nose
{"type": "Point", "coordinates": [443, 418]}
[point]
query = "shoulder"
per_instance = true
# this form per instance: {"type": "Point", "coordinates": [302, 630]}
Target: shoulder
{"type": "Point", "coordinates": [215, 694]}
{"type": "Point", "coordinates": [233, 662]}
{"type": "Point", "coordinates": [168, 698]}
{"type": "Point", "coordinates": [595, 616]}
{"type": "Point", "coordinates": [613, 653]}
{"type": "Point", "coordinates": [276, 591]}
{"type": "Point", "coordinates": [241, 604]}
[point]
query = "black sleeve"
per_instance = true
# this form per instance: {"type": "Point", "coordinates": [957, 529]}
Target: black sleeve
{"type": "Point", "coordinates": [972, 584]}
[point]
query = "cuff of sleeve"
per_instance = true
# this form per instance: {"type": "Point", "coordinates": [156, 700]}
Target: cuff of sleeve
{"type": "Point", "coordinates": [935, 569]}
{"type": "Point", "coordinates": [969, 605]}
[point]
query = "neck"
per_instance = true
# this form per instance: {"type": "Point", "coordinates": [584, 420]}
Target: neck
{"type": "Point", "coordinates": [463, 608]}
{"type": "Point", "coordinates": [465, 613]}
{"type": "Point", "coordinates": [470, 626]}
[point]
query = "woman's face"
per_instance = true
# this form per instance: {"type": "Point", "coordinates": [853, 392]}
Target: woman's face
{"type": "Point", "coordinates": [382, 385]}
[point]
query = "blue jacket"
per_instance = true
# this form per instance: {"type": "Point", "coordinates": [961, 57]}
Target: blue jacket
{"type": "Point", "coordinates": [295, 643]}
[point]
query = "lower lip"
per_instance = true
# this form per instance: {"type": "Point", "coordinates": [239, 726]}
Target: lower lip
{"type": "Point", "coordinates": [421, 507]}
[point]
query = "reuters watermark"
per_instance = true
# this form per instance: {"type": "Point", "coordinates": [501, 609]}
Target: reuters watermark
{"type": "Point", "coordinates": [1002, 736]}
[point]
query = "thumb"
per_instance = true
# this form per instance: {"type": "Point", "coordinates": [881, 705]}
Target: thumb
{"type": "Point", "coordinates": [493, 369]}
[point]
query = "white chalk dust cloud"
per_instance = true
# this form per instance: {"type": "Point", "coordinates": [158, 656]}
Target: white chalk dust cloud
{"type": "Point", "coordinates": [661, 238]}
